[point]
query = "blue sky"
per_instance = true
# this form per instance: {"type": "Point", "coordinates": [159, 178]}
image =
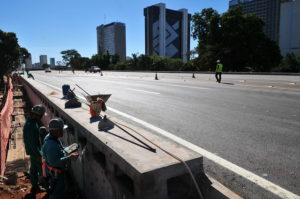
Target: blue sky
{"type": "Point", "coordinates": [50, 26]}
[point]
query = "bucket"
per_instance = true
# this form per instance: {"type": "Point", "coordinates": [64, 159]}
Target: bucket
{"type": "Point", "coordinates": [95, 108]}
{"type": "Point", "coordinates": [65, 89]}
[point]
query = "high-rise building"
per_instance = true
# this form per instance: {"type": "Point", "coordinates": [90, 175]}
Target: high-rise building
{"type": "Point", "coordinates": [111, 38]}
{"type": "Point", "coordinates": [167, 32]}
{"type": "Point", "coordinates": [28, 62]}
{"type": "Point", "coordinates": [267, 10]}
{"type": "Point", "coordinates": [289, 29]}
{"type": "Point", "coordinates": [52, 62]}
{"type": "Point", "coordinates": [43, 60]}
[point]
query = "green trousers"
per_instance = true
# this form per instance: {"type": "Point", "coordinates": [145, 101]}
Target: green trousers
{"type": "Point", "coordinates": [35, 170]}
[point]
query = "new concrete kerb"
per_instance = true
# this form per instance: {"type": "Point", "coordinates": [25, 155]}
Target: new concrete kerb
{"type": "Point", "coordinates": [113, 164]}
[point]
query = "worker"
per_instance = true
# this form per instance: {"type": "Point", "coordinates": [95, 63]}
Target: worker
{"type": "Point", "coordinates": [33, 145]}
{"type": "Point", "coordinates": [30, 76]}
{"type": "Point", "coordinates": [56, 157]}
{"type": "Point", "coordinates": [219, 69]}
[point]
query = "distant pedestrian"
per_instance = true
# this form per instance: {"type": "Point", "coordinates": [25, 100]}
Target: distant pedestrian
{"type": "Point", "coordinates": [33, 145]}
{"type": "Point", "coordinates": [56, 158]}
{"type": "Point", "coordinates": [219, 69]}
{"type": "Point", "coordinates": [30, 76]}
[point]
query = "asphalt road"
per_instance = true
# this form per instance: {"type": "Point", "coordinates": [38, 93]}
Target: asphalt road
{"type": "Point", "coordinates": [252, 121]}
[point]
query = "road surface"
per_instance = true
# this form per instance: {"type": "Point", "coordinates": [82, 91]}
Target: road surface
{"type": "Point", "coordinates": [252, 121]}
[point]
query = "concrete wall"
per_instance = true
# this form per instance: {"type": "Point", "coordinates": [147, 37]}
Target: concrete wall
{"type": "Point", "coordinates": [113, 165]}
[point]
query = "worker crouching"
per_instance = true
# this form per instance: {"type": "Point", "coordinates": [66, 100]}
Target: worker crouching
{"type": "Point", "coordinates": [55, 158]}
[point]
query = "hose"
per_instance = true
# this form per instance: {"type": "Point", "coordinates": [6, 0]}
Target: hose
{"type": "Point", "coordinates": [170, 154]}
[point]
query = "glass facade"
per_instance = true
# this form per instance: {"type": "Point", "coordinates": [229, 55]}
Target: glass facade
{"type": "Point", "coordinates": [267, 10]}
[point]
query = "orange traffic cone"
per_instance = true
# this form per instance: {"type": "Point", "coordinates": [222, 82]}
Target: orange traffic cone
{"type": "Point", "coordinates": [156, 78]}
{"type": "Point", "coordinates": [193, 75]}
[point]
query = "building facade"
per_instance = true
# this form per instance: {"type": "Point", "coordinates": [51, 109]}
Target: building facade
{"type": "Point", "coordinates": [43, 60]}
{"type": "Point", "coordinates": [111, 38]}
{"type": "Point", "coordinates": [289, 29]}
{"type": "Point", "coordinates": [267, 10]}
{"type": "Point", "coordinates": [167, 32]}
{"type": "Point", "coordinates": [28, 62]}
{"type": "Point", "coordinates": [52, 62]}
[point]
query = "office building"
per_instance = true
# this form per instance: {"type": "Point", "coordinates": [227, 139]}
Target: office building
{"type": "Point", "coordinates": [111, 38]}
{"type": "Point", "coordinates": [267, 10]}
{"type": "Point", "coordinates": [36, 65]}
{"type": "Point", "coordinates": [28, 62]}
{"type": "Point", "coordinates": [52, 62]}
{"type": "Point", "coordinates": [167, 32]}
{"type": "Point", "coordinates": [43, 60]}
{"type": "Point", "coordinates": [289, 29]}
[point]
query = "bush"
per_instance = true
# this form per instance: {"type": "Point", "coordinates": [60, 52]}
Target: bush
{"type": "Point", "coordinates": [291, 63]}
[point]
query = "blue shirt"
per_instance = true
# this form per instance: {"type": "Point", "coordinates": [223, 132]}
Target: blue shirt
{"type": "Point", "coordinates": [54, 153]}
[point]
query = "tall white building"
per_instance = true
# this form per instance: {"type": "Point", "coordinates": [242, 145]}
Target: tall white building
{"type": "Point", "coordinates": [52, 62]}
{"type": "Point", "coordinates": [289, 28]}
{"type": "Point", "coordinates": [43, 60]}
{"type": "Point", "coordinates": [111, 38]}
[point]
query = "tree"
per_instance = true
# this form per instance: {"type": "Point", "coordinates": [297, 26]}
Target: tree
{"type": "Point", "coordinates": [115, 58]}
{"type": "Point", "coordinates": [235, 38]}
{"type": "Point", "coordinates": [11, 54]}
{"type": "Point", "coordinates": [44, 66]}
{"type": "Point", "coordinates": [69, 57]}
{"type": "Point", "coordinates": [101, 61]}
{"type": "Point", "coordinates": [291, 63]}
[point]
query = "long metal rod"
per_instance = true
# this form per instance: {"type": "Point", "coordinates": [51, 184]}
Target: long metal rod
{"type": "Point", "coordinates": [83, 90]}
{"type": "Point", "coordinates": [149, 147]}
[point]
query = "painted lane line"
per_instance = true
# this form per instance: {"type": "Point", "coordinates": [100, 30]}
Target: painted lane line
{"type": "Point", "coordinates": [187, 86]}
{"type": "Point", "coordinates": [265, 184]}
{"type": "Point", "coordinates": [143, 91]}
{"type": "Point", "coordinates": [174, 85]}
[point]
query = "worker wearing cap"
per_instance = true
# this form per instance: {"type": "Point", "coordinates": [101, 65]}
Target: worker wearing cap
{"type": "Point", "coordinates": [56, 158]}
{"type": "Point", "coordinates": [219, 69]}
{"type": "Point", "coordinates": [33, 145]}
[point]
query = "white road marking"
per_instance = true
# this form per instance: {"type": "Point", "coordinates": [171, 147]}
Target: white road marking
{"type": "Point", "coordinates": [143, 91]}
{"type": "Point", "coordinates": [175, 85]}
{"type": "Point", "coordinates": [265, 184]}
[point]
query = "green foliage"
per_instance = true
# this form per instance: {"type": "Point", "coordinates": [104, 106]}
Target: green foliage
{"type": "Point", "coordinates": [101, 61]}
{"type": "Point", "coordinates": [235, 38]}
{"type": "Point", "coordinates": [44, 66]}
{"type": "Point", "coordinates": [11, 54]}
{"type": "Point", "coordinates": [152, 63]}
{"type": "Point", "coordinates": [70, 56]}
{"type": "Point", "coordinates": [291, 63]}
{"type": "Point", "coordinates": [115, 58]}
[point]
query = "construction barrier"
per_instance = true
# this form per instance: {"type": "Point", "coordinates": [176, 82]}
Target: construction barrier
{"type": "Point", "coordinates": [5, 125]}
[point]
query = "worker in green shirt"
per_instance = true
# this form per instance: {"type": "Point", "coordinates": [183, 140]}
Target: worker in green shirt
{"type": "Point", "coordinates": [33, 145]}
{"type": "Point", "coordinates": [219, 69]}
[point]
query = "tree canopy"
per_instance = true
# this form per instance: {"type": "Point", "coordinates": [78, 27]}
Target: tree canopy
{"type": "Point", "coordinates": [70, 56]}
{"type": "Point", "coordinates": [11, 54]}
{"type": "Point", "coordinates": [236, 39]}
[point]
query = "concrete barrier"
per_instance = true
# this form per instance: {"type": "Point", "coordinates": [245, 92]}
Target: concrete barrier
{"type": "Point", "coordinates": [114, 165]}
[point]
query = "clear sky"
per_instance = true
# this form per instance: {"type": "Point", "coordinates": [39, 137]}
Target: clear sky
{"type": "Point", "coordinates": [50, 26]}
